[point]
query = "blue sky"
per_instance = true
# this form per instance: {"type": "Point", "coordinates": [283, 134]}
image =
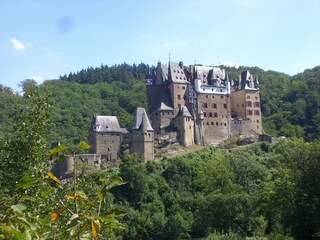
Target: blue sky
{"type": "Point", "coordinates": [44, 39]}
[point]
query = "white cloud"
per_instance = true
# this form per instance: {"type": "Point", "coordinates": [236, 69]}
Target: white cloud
{"type": "Point", "coordinates": [17, 45]}
{"type": "Point", "coordinates": [37, 78]}
{"type": "Point", "coordinates": [231, 64]}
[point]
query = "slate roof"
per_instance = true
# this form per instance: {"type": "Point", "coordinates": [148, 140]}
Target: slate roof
{"type": "Point", "coordinates": [176, 73]}
{"type": "Point", "coordinates": [164, 70]}
{"type": "Point", "coordinates": [246, 80]}
{"type": "Point", "coordinates": [107, 124]}
{"type": "Point", "coordinates": [164, 101]}
{"type": "Point", "coordinates": [184, 112]}
{"type": "Point", "coordinates": [141, 119]}
{"type": "Point", "coordinates": [202, 72]}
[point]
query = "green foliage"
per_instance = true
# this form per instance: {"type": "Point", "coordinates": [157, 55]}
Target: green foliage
{"type": "Point", "coordinates": [38, 205]}
{"type": "Point", "coordinates": [24, 150]}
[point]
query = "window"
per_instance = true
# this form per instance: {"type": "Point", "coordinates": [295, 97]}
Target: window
{"type": "Point", "coordinates": [217, 123]}
{"type": "Point", "coordinates": [248, 97]}
{"type": "Point", "coordinates": [249, 104]}
{"type": "Point", "coordinates": [256, 98]}
{"type": "Point", "coordinates": [183, 87]}
{"type": "Point", "coordinates": [242, 105]}
{"type": "Point", "coordinates": [221, 97]}
{"type": "Point", "coordinates": [256, 104]}
{"type": "Point", "coordinates": [205, 114]}
{"type": "Point", "coordinates": [215, 114]}
{"type": "Point", "coordinates": [205, 105]}
{"type": "Point", "coordinates": [212, 123]}
{"type": "Point", "coordinates": [256, 113]}
{"type": "Point", "coordinates": [207, 123]}
{"type": "Point", "coordinates": [206, 96]}
{"type": "Point", "coordinates": [179, 97]}
{"type": "Point", "coordinates": [224, 105]}
{"type": "Point", "coordinates": [214, 105]}
{"type": "Point", "coordinates": [210, 114]}
{"type": "Point", "coordinates": [250, 112]}
{"type": "Point", "coordinates": [225, 124]}
{"type": "Point", "coordinates": [257, 121]}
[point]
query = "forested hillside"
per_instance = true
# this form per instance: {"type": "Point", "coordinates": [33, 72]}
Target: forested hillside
{"type": "Point", "coordinates": [289, 104]}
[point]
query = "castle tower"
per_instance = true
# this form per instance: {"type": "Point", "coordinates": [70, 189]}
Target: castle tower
{"type": "Point", "coordinates": [178, 86]}
{"type": "Point", "coordinates": [245, 103]}
{"type": "Point", "coordinates": [142, 136]}
{"type": "Point", "coordinates": [184, 124]}
{"type": "Point", "coordinates": [105, 137]}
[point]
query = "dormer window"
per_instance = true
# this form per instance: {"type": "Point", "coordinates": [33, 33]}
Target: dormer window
{"type": "Point", "coordinates": [96, 127]}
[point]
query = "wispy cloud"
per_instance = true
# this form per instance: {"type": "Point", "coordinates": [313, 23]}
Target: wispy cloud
{"type": "Point", "coordinates": [37, 78]}
{"type": "Point", "coordinates": [231, 64]}
{"type": "Point", "coordinates": [17, 45]}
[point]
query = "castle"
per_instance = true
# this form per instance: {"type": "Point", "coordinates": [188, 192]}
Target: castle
{"type": "Point", "coordinates": [194, 105]}
{"type": "Point", "coordinates": [201, 104]}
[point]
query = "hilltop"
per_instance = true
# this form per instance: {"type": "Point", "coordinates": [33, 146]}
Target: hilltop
{"type": "Point", "coordinates": [289, 104]}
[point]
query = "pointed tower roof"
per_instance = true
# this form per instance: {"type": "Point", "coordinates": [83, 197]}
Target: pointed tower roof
{"type": "Point", "coordinates": [141, 121]}
{"type": "Point", "coordinates": [184, 112]}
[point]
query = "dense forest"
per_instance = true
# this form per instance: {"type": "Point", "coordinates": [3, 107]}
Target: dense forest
{"type": "Point", "coordinates": [254, 192]}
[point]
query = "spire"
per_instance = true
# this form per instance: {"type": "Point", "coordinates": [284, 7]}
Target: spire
{"type": "Point", "coordinates": [141, 120]}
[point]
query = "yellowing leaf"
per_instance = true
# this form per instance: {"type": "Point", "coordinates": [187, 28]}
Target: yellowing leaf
{"type": "Point", "coordinates": [53, 177]}
{"type": "Point", "coordinates": [54, 216]}
{"type": "Point", "coordinates": [95, 227]}
{"type": "Point", "coordinates": [84, 145]}
{"type": "Point", "coordinates": [77, 195]}
{"type": "Point", "coordinates": [57, 149]}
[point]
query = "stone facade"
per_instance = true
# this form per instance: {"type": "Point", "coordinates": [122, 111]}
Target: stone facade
{"type": "Point", "coordinates": [216, 104]}
{"type": "Point", "coordinates": [142, 136]}
{"type": "Point", "coordinates": [106, 138]}
{"type": "Point", "coordinates": [184, 126]}
{"type": "Point", "coordinates": [78, 163]}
